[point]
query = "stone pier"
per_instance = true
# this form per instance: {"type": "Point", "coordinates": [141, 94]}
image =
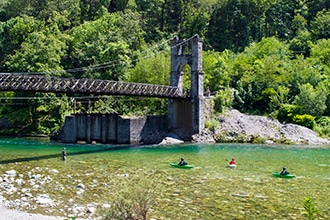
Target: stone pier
{"type": "Point", "coordinates": [187, 117]}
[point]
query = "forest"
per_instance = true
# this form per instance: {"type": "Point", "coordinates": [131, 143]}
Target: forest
{"type": "Point", "coordinates": [261, 57]}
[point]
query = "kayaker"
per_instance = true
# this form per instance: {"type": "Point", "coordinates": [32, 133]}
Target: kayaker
{"type": "Point", "coordinates": [182, 162]}
{"type": "Point", "coordinates": [232, 162]}
{"type": "Point", "coordinates": [284, 172]}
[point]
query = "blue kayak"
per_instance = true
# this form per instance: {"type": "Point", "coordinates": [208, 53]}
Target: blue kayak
{"type": "Point", "coordinates": [278, 174]}
{"type": "Point", "coordinates": [184, 166]}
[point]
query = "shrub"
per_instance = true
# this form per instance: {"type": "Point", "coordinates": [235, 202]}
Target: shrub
{"type": "Point", "coordinates": [323, 121]}
{"type": "Point", "coordinates": [223, 99]}
{"type": "Point", "coordinates": [284, 141]}
{"type": "Point", "coordinates": [133, 199]}
{"type": "Point", "coordinates": [287, 112]}
{"type": "Point", "coordinates": [322, 126]}
{"type": "Point", "coordinates": [256, 139]}
{"type": "Point", "coordinates": [311, 209]}
{"type": "Point", "coordinates": [212, 124]}
{"type": "Point", "coordinates": [243, 138]}
{"type": "Point", "coordinates": [290, 114]}
{"type": "Point", "coordinates": [222, 137]}
{"type": "Point", "coordinates": [304, 120]}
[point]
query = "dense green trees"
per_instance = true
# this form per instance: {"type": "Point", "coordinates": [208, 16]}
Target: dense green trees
{"type": "Point", "coordinates": [235, 24]}
{"type": "Point", "coordinates": [261, 57]}
{"type": "Point", "coordinates": [113, 37]}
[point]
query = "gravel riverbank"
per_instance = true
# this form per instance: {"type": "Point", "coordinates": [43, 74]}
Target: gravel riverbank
{"type": "Point", "coordinates": [11, 209]}
{"type": "Point", "coordinates": [11, 214]}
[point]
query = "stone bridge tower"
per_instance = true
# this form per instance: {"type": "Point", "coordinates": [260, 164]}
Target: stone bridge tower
{"type": "Point", "coordinates": [187, 117]}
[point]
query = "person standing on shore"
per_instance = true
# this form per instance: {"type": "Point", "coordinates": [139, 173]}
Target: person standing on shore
{"type": "Point", "coordinates": [64, 154]}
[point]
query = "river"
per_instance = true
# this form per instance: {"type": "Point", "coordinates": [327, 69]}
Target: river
{"type": "Point", "coordinates": [93, 174]}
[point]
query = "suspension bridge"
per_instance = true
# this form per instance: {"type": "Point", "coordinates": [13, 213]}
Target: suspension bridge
{"type": "Point", "coordinates": [186, 109]}
{"type": "Point", "coordinates": [39, 83]}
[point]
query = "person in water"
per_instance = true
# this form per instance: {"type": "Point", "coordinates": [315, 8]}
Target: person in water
{"type": "Point", "coordinates": [284, 172]}
{"type": "Point", "coordinates": [232, 162]}
{"type": "Point", "coordinates": [64, 154]}
{"type": "Point", "coordinates": [182, 162]}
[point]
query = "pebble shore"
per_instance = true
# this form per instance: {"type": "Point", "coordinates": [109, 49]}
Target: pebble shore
{"type": "Point", "coordinates": [10, 183]}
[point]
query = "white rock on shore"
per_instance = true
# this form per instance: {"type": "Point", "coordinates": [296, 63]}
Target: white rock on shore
{"type": "Point", "coordinates": [171, 139]}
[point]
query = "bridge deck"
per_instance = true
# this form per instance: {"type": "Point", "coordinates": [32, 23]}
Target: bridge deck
{"type": "Point", "coordinates": [41, 83]}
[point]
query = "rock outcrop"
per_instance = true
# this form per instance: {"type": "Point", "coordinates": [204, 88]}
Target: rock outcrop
{"type": "Point", "coordinates": [238, 127]}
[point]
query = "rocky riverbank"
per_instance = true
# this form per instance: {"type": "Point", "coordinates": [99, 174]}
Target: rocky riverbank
{"type": "Point", "coordinates": [12, 183]}
{"type": "Point", "coordinates": [235, 126]}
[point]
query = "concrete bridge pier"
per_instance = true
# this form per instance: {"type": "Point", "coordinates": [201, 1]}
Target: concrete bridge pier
{"type": "Point", "coordinates": [114, 129]}
{"type": "Point", "coordinates": [88, 129]}
{"type": "Point", "coordinates": [104, 129]}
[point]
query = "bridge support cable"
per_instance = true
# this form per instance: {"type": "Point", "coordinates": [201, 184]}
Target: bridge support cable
{"type": "Point", "coordinates": [38, 83]}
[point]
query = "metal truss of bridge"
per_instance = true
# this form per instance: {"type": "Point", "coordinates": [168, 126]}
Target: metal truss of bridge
{"type": "Point", "coordinates": [40, 83]}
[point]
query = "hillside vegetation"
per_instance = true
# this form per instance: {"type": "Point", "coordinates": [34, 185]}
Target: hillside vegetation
{"type": "Point", "coordinates": [260, 57]}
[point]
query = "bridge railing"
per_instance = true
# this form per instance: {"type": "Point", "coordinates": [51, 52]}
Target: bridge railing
{"type": "Point", "coordinates": [41, 83]}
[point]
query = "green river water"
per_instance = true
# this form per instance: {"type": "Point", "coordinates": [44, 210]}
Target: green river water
{"type": "Point", "coordinates": [208, 191]}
